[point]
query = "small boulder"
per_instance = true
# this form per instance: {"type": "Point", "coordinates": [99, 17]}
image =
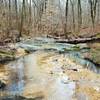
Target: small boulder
{"type": "Point", "coordinates": [2, 85]}
{"type": "Point", "coordinates": [20, 52]}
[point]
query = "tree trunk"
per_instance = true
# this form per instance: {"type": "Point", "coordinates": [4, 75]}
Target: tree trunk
{"type": "Point", "coordinates": [93, 8]}
{"type": "Point", "coordinates": [73, 15]}
{"type": "Point", "coordinates": [79, 15]}
{"type": "Point", "coordinates": [9, 15]}
{"type": "Point", "coordinates": [66, 17]}
{"type": "Point", "coordinates": [16, 8]}
{"type": "Point", "coordinates": [22, 18]}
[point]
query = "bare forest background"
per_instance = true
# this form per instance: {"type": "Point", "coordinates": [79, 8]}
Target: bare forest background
{"type": "Point", "coordinates": [54, 17]}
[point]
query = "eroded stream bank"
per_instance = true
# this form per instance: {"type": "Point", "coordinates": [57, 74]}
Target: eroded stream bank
{"type": "Point", "coordinates": [52, 72]}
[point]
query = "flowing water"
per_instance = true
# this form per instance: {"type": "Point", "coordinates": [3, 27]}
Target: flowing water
{"type": "Point", "coordinates": [72, 51]}
{"type": "Point", "coordinates": [40, 74]}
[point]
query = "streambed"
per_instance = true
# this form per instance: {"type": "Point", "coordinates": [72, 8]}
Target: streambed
{"type": "Point", "coordinates": [51, 72]}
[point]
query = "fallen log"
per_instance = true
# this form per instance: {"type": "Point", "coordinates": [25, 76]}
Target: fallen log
{"type": "Point", "coordinates": [79, 40]}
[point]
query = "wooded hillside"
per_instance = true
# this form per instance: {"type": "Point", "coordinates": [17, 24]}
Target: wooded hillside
{"type": "Point", "coordinates": [56, 17]}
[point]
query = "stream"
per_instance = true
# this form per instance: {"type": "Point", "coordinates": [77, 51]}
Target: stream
{"type": "Point", "coordinates": [39, 75]}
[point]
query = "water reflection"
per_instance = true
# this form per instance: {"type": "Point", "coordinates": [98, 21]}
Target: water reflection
{"type": "Point", "coordinates": [16, 76]}
{"type": "Point", "coordinates": [28, 79]}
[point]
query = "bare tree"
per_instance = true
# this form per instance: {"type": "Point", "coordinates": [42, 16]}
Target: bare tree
{"type": "Point", "coordinates": [22, 18]}
{"type": "Point", "coordinates": [9, 19]}
{"type": "Point", "coordinates": [93, 7]}
{"type": "Point", "coordinates": [16, 10]}
{"type": "Point", "coordinates": [73, 14]}
{"type": "Point", "coordinates": [66, 16]}
{"type": "Point", "coordinates": [79, 14]}
{"type": "Point", "coordinates": [98, 16]}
